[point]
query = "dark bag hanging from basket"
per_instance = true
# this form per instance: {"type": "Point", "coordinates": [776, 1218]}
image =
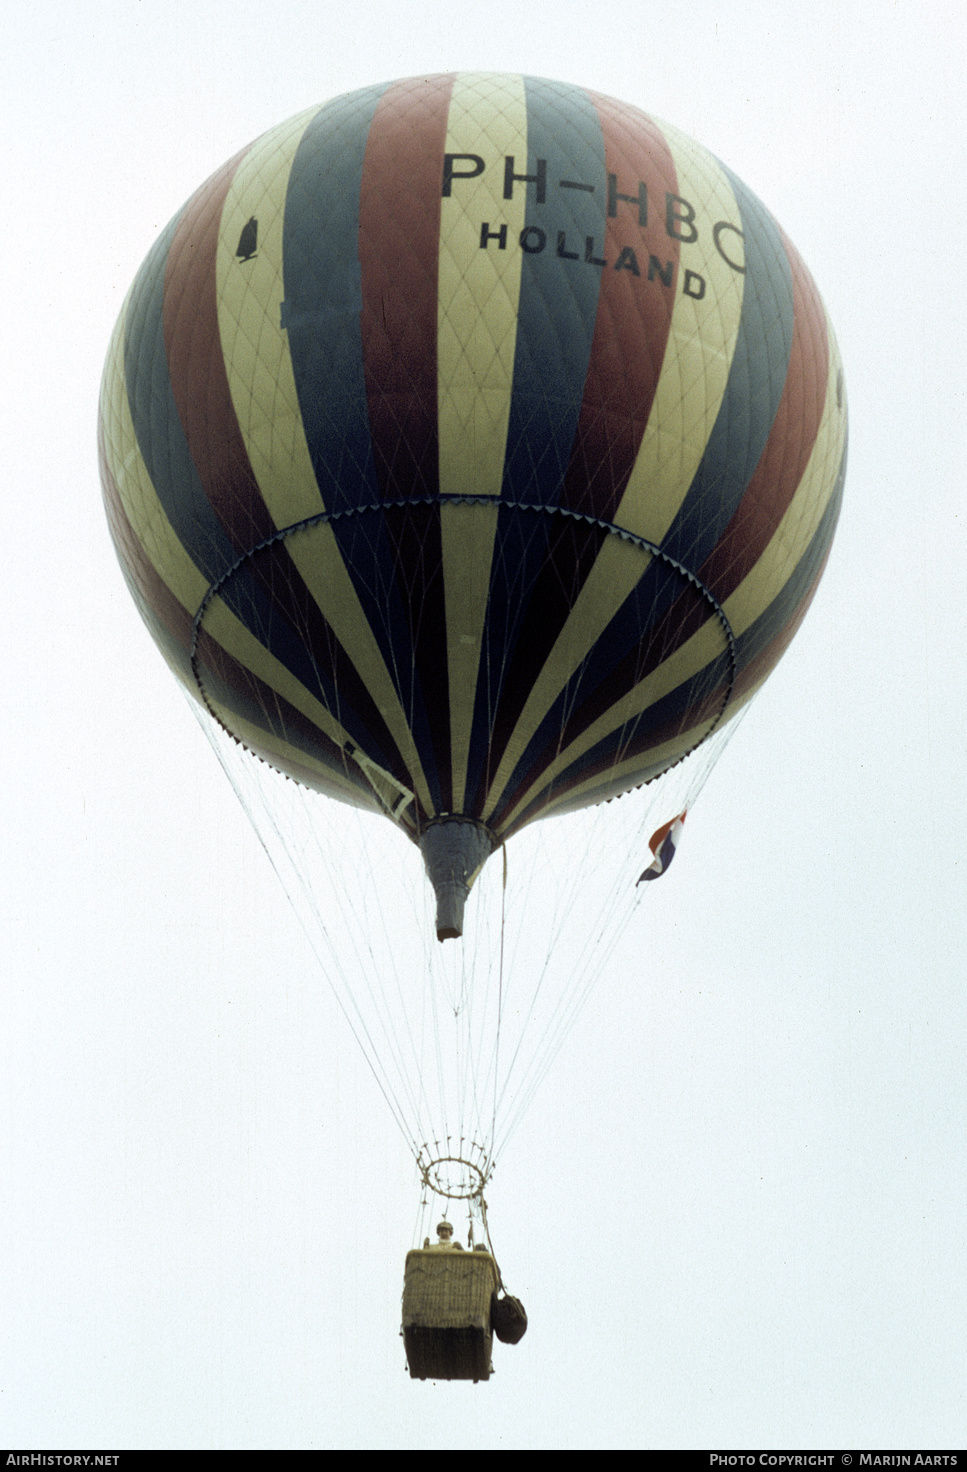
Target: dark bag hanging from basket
{"type": "Point", "coordinates": [508, 1319]}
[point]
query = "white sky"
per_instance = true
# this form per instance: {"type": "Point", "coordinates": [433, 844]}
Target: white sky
{"type": "Point", "coordinates": [736, 1212]}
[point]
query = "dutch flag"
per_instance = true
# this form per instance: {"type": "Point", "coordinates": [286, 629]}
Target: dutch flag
{"type": "Point", "coordinates": [663, 843]}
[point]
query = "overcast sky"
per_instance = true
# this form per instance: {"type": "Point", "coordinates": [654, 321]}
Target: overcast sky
{"type": "Point", "coordinates": [736, 1210]}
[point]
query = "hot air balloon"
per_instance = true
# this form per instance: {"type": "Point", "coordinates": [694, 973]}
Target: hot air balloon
{"type": "Point", "coordinates": [472, 446]}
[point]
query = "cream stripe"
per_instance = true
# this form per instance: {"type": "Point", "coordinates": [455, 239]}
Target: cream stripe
{"type": "Point", "coordinates": [479, 288]}
{"type": "Point", "coordinates": [468, 542]}
{"type": "Point", "coordinates": [478, 296]}
{"type": "Point", "coordinates": [254, 345]}
{"type": "Point", "coordinates": [315, 552]}
{"type": "Point", "coordinates": [262, 384]}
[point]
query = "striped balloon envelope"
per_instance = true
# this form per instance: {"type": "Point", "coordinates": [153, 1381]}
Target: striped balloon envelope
{"type": "Point", "coordinates": [473, 446]}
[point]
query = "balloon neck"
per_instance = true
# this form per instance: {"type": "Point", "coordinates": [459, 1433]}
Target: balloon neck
{"type": "Point", "coordinates": [454, 851]}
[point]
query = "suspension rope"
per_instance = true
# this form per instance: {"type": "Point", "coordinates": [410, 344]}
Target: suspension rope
{"type": "Point", "coordinates": [500, 992]}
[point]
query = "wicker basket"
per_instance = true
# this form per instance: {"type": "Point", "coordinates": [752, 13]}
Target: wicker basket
{"type": "Point", "coordinates": [446, 1313]}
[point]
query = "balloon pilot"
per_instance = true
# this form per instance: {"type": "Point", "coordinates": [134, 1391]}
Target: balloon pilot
{"type": "Point", "coordinates": [445, 1232]}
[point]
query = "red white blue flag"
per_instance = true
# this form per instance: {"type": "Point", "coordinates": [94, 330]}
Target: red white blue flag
{"type": "Point", "coordinates": [663, 843]}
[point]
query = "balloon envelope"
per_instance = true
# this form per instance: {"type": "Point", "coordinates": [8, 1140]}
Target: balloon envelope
{"type": "Point", "coordinates": [473, 446]}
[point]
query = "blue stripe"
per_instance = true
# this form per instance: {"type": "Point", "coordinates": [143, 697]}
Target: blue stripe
{"type": "Point", "coordinates": [323, 298]}
{"type": "Point", "coordinates": [558, 297]}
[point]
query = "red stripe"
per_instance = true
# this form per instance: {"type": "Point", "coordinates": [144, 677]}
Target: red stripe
{"type": "Point", "coordinates": [399, 234]}
{"type": "Point", "coordinates": [634, 313]}
{"type": "Point", "coordinates": [199, 380]}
